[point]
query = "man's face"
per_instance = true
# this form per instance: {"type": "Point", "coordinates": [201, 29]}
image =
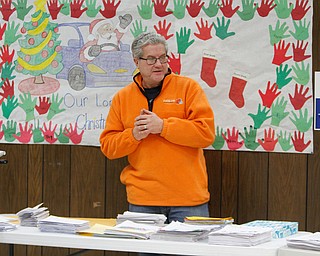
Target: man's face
{"type": "Point", "coordinates": [152, 74]}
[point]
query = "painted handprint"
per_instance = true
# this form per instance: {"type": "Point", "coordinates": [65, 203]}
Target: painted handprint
{"type": "Point", "coordinates": [5, 55]}
{"type": "Point", "coordinates": [37, 133]}
{"type": "Point", "coordinates": [22, 9]}
{"type": "Point", "coordinates": [232, 139]}
{"type": "Point", "coordinates": [260, 117]}
{"type": "Point", "coordinates": [219, 140]}
{"type": "Point", "coordinates": [6, 9]}
{"type": "Point", "coordinates": [278, 33]}
{"type": "Point", "coordinates": [93, 10]}
{"type": "Point", "coordinates": [163, 29]}
{"type": "Point", "coordinates": [204, 30]}
{"type": "Point", "coordinates": [8, 106]}
{"type": "Point", "coordinates": [10, 35]}
{"type": "Point", "coordinates": [301, 30]}
{"type": "Point", "coordinates": [283, 9]}
{"type": "Point", "coordinates": [27, 104]}
{"type": "Point", "coordinates": [25, 134]}
{"type": "Point", "coordinates": [227, 9]}
{"type": "Point", "coordinates": [62, 138]}
{"type": "Point", "coordinates": [268, 142]}
{"type": "Point", "coordinates": [212, 9]}
{"type": "Point", "coordinates": [248, 10]}
{"type": "Point", "coordinates": [179, 10]}
{"type": "Point", "coordinates": [279, 53]}
{"type": "Point", "coordinates": [75, 8]}
{"type": "Point", "coordinates": [48, 133]}
{"type": "Point", "coordinates": [175, 63]}
{"type": "Point", "coordinates": [194, 7]}
{"type": "Point", "coordinates": [160, 8]}
{"type": "Point", "coordinates": [303, 123]}
{"type": "Point", "coordinates": [73, 134]}
{"type": "Point", "coordinates": [222, 27]}
{"type": "Point", "coordinates": [55, 107]}
{"type": "Point", "coordinates": [44, 105]}
{"type": "Point", "coordinates": [298, 141]}
{"type": "Point", "coordinates": [183, 39]}
{"type": "Point", "coordinates": [285, 140]}
{"type": "Point", "coordinates": [302, 74]}
{"type": "Point", "coordinates": [145, 10]}
{"type": "Point", "coordinates": [137, 28]}
{"type": "Point", "coordinates": [300, 97]}
{"type": "Point", "coordinates": [109, 8]}
{"type": "Point", "coordinates": [249, 138]}
{"type": "Point", "coordinates": [278, 111]}
{"type": "Point", "coordinates": [300, 9]}
{"type": "Point", "coordinates": [54, 8]}
{"type": "Point", "coordinates": [9, 130]}
{"type": "Point", "coordinates": [266, 7]}
{"type": "Point", "coordinates": [283, 72]}
{"type": "Point", "coordinates": [7, 90]}
{"type": "Point", "coordinates": [299, 51]}
{"type": "Point", "coordinates": [270, 95]}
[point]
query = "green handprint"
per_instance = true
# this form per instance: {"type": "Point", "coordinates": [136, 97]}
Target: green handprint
{"type": "Point", "coordinates": [282, 76]}
{"type": "Point", "coordinates": [302, 31]}
{"type": "Point", "coordinates": [179, 9]}
{"type": "Point", "coordinates": [37, 134]}
{"type": "Point", "coordinates": [54, 107]}
{"type": "Point", "coordinates": [250, 138]}
{"type": "Point", "coordinates": [302, 123]}
{"type": "Point", "coordinates": [92, 10]}
{"type": "Point", "coordinates": [62, 138]}
{"type": "Point", "coordinates": [283, 9]}
{"type": "Point", "coordinates": [9, 130]}
{"type": "Point", "coordinates": [219, 140]}
{"type": "Point", "coordinates": [28, 105]}
{"type": "Point", "coordinates": [284, 141]}
{"type": "Point", "coordinates": [302, 74]}
{"type": "Point", "coordinates": [260, 117]}
{"type": "Point", "coordinates": [22, 9]}
{"type": "Point", "coordinates": [137, 28]}
{"type": "Point", "coordinates": [10, 34]}
{"type": "Point", "coordinates": [66, 7]}
{"type": "Point", "coordinates": [222, 29]}
{"type": "Point", "coordinates": [9, 106]}
{"type": "Point", "coordinates": [212, 9]}
{"type": "Point", "coordinates": [183, 40]}
{"type": "Point", "coordinates": [248, 10]}
{"type": "Point", "coordinates": [278, 111]}
{"type": "Point", "coordinates": [7, 71]}
{"type": "Point", "coordinates": [146, 9]}
{"type": "Point", "coordinates": [278, 33]}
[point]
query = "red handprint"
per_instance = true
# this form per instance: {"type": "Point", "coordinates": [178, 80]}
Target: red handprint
{"type": "Point", "coordinates": [6, 56]}
{"type": "Point", "coordinates": [163, 29]}
{"type": "Point", "coordinates": [2, 29]}
{"type": "Point", "coordinates": [299, 97]}
{"type": "Point", "coordinates": [232, 139]}
{"type": "Point", "coordinates": [299, 51]}
{"type": "Point", "coordinates": [204, 31]}
{"type": "Point", "coordinates": [48, 134]}
{"type": "Point", "coordinates": [160, 7]}
{"type": "Point", "coordinates": [280, 53]}
{"type": "Point", "coordinates": [8, 89]}
{"type": "Point", "coordinates": [53, 8]}
{"type": "Point", "coordinates": [266, 7]}
{"type": "Point", "coordinates": [268, 142]}
{"type": "Point", "coordinates": [44, 105]}
{"type": "Point", "coordinates": [300, 10]}
{"type": "Point", "coordinates": [75, 8]}
{"type": "Point", "coordinates": [6, 9]}
{"type": "Point", "coordinates": [194, 7]}
{"type": "Point", "coordinates": [298, 141]}
{"type": "Point", "coordinates": [110, 8]}
{"type": "Point", "coordinates": [175, 63]}
{"type": "Point", "coordinates": [25, 133]}
{"type": "Point", "coordinates": [1, 132]}
{"type": "Point", "coordinates": [270, 95]}
{"type": "Point", "coordinates": [226, 8]}
{"type": "Point", "coordinates": [73, 135]}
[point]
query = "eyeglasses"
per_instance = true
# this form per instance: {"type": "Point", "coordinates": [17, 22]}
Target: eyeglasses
{"type": "Point", "coordinates": [153, 60]}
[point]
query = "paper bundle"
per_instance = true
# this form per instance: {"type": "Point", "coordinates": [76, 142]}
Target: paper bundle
{"type": "Point", "coordinates": [30, 216]}
{"type": "Point", "coordinates": [5, 224]}
{"type": "Point", "coordinates": [147, 218]}
{"type": "Point", "coordinates": [62, 225]}
{"type": "Point", "coordinates": [240, 235]}
{"type": "Point", "coordinates": [178, 231]}
{"type": "Point", "coordinates": [309, 241]}
{"type": "Point", "coordinates": [197, 220]}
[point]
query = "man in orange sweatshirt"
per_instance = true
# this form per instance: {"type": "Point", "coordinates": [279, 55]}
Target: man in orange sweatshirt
{"type": "Point", "coordinates": [161, 121]}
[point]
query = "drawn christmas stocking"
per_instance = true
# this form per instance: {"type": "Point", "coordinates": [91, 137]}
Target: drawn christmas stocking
{"type": "Point", "coordinates": [209, 63]}
{"type": "Point", "coordinates": [238, 84]}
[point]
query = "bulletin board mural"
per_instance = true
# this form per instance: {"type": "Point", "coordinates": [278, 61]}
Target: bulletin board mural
{"type": "Point", "coordinates": [62, 61]}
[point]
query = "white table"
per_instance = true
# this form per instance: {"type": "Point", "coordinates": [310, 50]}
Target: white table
{"type": "Point", "coordinates": [32, 236]}
{"type": "Point", "coordinates": [286, 251]}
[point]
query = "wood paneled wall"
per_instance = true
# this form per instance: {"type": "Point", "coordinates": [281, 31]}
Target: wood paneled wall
{"type": "Point", "coordinates": [79, 181]}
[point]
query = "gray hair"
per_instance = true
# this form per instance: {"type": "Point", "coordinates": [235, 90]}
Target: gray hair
{"type": "Point", "coordinates": [145, 39]}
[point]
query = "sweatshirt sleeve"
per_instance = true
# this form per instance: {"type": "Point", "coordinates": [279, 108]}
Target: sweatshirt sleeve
{"type": "Point", "coordinates": [197, 129]}
{"type": "Point", "coordinates": [115, 141]}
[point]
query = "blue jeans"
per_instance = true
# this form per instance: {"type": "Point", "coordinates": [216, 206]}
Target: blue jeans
{"type": "Point", "coordinates": [173, 213]}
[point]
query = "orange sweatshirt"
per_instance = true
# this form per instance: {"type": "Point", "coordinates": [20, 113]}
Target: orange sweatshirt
{"type": "Point", "coordinates": [166, 169]}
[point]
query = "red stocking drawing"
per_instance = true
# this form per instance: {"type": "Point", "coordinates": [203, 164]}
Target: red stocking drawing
{"type": "Point", "coordinates": [238, 84]}
{"type": "Point", "coordinates": [209, 63]}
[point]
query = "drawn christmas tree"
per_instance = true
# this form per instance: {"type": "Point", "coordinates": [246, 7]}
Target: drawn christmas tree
{"type": "Point", "coordinates": [39, 53]}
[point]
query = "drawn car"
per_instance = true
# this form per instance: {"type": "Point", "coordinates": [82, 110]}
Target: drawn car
{"type": "Point", "coordinates": [108, 69]}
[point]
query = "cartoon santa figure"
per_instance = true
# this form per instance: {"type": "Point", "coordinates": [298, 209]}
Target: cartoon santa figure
{"type": "Point", "coordinates": [104, 37]}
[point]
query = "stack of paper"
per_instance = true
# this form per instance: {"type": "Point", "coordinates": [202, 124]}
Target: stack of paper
{"type": "Point", "coordinates": [310, 242]}
{"type": "Point", "coordinates": [147, 218]}
{"type": "Point", "coordinates": [130, 229]}
{"type": "Point", "coordinates": [30, 216]}
{"type": "Point", "coordinates": [240, 235]}
{"type": "Point", "coordinates": [5, 224]}
{"type": "Point", "coordinates": [62, 225]}
{"type": "Point", "coordinates": [208, 220]}
{"type": "Point", "coordinates": [178, 231]}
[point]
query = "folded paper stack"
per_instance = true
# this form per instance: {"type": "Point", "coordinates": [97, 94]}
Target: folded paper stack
{"type": "Point", "coordinates": [30, 216]}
